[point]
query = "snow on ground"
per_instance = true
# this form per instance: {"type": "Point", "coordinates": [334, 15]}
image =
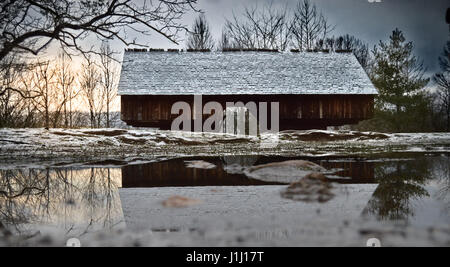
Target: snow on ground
{"type": "Point", "coordinates": [57, 147]}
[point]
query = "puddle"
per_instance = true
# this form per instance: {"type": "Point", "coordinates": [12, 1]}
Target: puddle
{"type": "Point", "coordinates": [79, 201]}
{"type": "Point", "coordinates": [229, 171]}
{"type": "Point", "coordinates": [71, 201]}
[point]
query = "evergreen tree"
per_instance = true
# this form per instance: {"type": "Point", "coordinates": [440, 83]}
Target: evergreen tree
{"type": "Point", "coordinates": [398, 75]}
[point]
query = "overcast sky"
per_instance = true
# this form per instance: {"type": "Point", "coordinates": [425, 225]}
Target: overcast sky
{"type": "Point", "coordinates": [423, 21]}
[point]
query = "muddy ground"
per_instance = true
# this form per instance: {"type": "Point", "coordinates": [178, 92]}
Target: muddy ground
{"type": "Point", "coordinates": [109, 147]}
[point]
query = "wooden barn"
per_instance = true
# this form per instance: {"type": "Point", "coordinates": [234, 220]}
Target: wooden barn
{"type": "Point", "coordinates": [314, 90]}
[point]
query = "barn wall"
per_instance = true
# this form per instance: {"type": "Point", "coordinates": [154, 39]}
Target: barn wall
{"type": "Point", "coordinates": [296, 111]}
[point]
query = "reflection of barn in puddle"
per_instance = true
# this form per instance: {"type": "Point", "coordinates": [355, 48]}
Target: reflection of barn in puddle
{"type": "Point", "coordinates": [175, 173]}
{"type": "Point", "coordinates": [229, 172]}
{"type": "Point", "coordinates": [360, 172]}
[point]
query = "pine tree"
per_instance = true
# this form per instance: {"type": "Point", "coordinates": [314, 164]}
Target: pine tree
{"type": "Point", "coordinates": [399, 77]}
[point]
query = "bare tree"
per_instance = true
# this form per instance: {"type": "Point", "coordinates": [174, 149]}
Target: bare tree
{"type": "Point", "coordinates": [443, 93]}
{"type": "Point", "coordinates": [443, 81]}
{"type": "Point", "coordinates": [309, 26]}
{"type": "Point", "coordinates": [265, 28]}
{"type": "Point", "coordinates": [224, 42]}
{"type": "Point", "coordinates": [11, 66]}
{"type": "Point", "coordinates": [359, 48]}
{"type": "Point", "coordinates": [240, 33]}
{"type": "Point", "coordinates": [10, 108]}
{"type": "Point", "coordinates": [42, 80]}
{"type": "Point", "coordinates": [31, 26]}
{"type": "Point", "coordinates": [200, 38]}
{"type": "Point", "coordinates": [49, 81]}
{"type": "Point", "coordinates": [89, 83]}
{"type": "Point", "coordinates": [109, 79]}
{"type": "Point", "coordinates": [43, 87]}
{"type": "Point", "coordinates": [65, 81]}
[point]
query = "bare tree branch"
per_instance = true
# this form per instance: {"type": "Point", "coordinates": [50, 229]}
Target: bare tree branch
{"type": "Point", "coordinates": [265, 28]}
{"type": "Point", "coordinates": [32, 25]}
{"type": "Point", "coordinates": [309, 26]}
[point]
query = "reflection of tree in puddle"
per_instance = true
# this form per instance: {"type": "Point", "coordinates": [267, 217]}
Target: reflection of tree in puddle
{"type": "Point", "coordinates": [76, 201]}
{"type": "Point", "coordinates": [442, 172]}
{"type": "Point", "coordinates": [400, 182]}
{"type": "Point", "coordinates": [16, 189]}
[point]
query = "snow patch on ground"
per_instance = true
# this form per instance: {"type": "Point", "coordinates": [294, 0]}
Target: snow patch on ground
{"type": "Point", "coordinates": [31, 147]}
{"type": "Point", "coordinates": [199, 164]}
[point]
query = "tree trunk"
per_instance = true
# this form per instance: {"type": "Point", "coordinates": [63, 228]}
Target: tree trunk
{"type": "Point", "coordinates": [66, 119]}
{"type": "Point", "coordinates": [70, 110]}
{"type": "Point", "coordinates": [47, 118]}
{"type": "Point", "coordinates": [92, 120]}
{"type": "Point", "coordinates": [448, 122]}
{"type": "Point", "coordinates": [107, 114]}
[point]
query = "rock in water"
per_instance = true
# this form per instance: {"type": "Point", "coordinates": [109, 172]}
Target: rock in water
{"type": "Point", "coordinates": [317, 176]}
{"type": "Point", "coordinates": [311, 188]}
{"type": "Point", "coordinates": [283, 172]}
{"type": "Point", "coordinates": [199, 164]}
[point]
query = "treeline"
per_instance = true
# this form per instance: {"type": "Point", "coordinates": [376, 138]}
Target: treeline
{"type": "Point", "coordinates": [303, 29]}
{"type": "Point", "coordinates": [50, 93]}
{"type": "Point", "coordinates": [405, 102]}
{"type": "Point", "coordinates": [53, 93]}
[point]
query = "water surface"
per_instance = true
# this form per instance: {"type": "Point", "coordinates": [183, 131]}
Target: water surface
{"type": "Point", "coordinates": [411, 189]}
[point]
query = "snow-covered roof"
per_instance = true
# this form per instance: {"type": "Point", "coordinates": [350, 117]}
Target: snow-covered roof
{"type": "Point", "coordinates": [217, 73]}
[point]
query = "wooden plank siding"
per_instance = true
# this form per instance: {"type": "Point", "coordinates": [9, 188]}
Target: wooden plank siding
{"type": "Point", "coordinates": [296, 111]}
